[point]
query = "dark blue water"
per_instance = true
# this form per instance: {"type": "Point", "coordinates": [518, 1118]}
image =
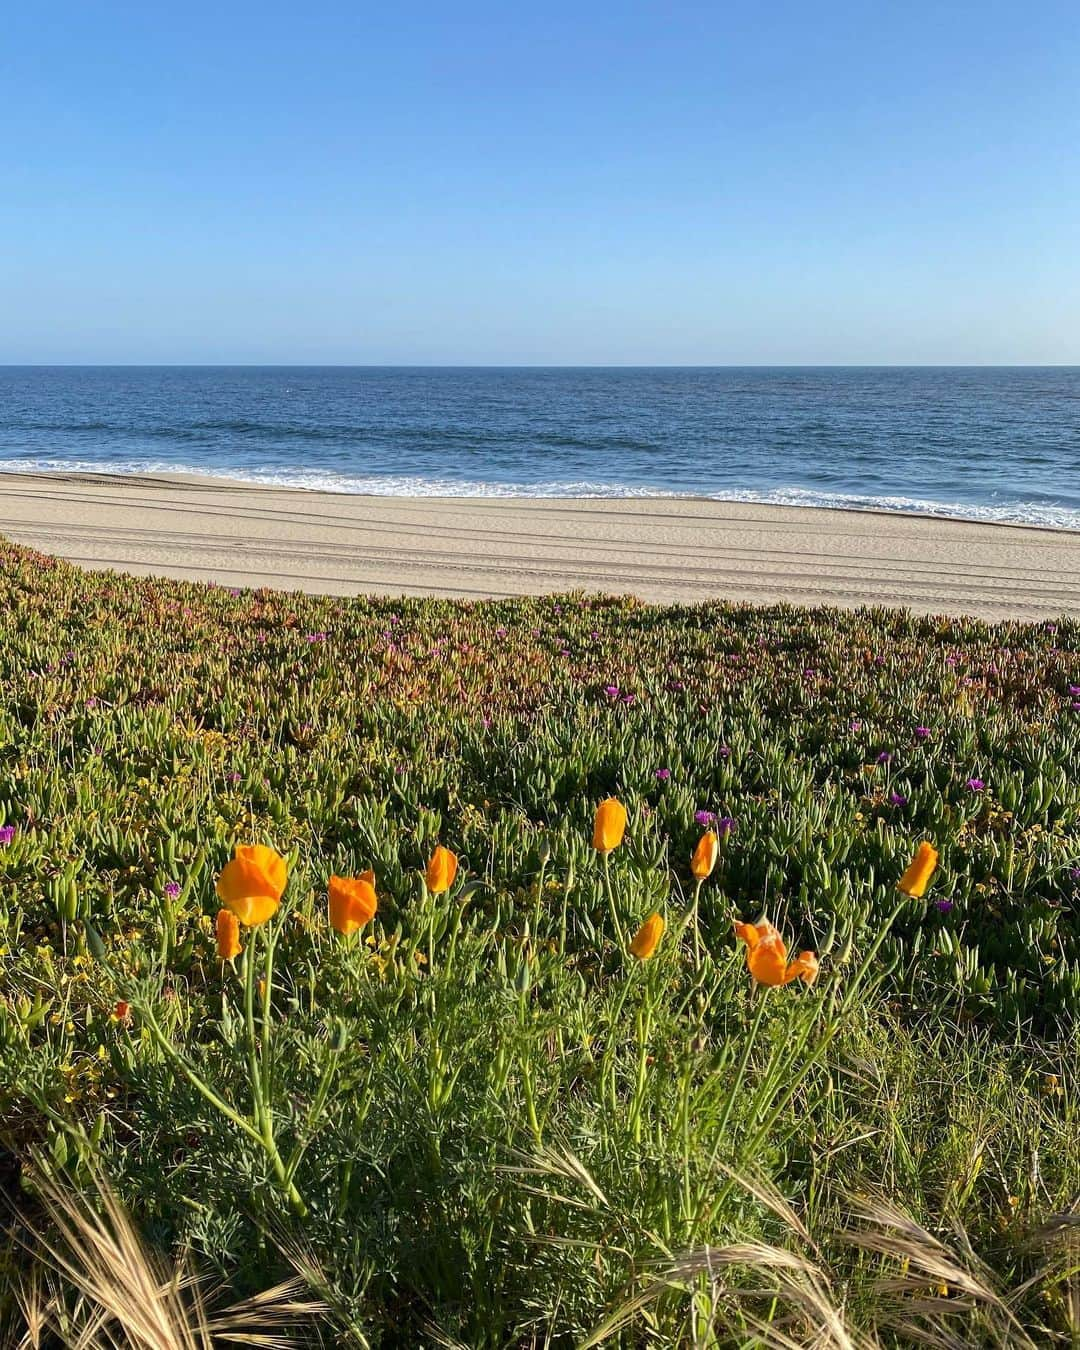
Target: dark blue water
{"type": "Point", "coordinates": [1000, 444]}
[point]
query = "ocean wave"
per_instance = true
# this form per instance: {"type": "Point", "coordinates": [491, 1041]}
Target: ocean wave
{"type": "Point", "coordinates": [1048, 515]}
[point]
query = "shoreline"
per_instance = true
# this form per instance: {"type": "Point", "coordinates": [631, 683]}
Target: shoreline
{"type": "Point", "coordinates": [195, 478]}
{"type": "Point", "coordinates": [663, 549]}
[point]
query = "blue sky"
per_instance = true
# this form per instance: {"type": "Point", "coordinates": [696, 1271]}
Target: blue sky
{"type": "Point", "coordinates": [592, 183]}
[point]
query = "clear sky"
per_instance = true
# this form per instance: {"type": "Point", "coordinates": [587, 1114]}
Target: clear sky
{"type": "Point", "coordinates": [591, 182]}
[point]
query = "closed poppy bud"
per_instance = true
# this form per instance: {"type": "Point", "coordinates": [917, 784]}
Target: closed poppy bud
{"type": "Point", "coordinates": [917, 877]}
{"type": "Point", "coordinates": [352, 902]}
{"type": "Point", "coordinates": [705, 855]}
{"type": "Point", "coordinates": [251, 885]}
{"type": "Point", "coordinates": [609, 825]}
{"type": "Point", "coordinates": [228, 935]}
{"type": "Point", "coordinates": [647, 937]}
{"type": "Point", "coordinates": [441, 870]}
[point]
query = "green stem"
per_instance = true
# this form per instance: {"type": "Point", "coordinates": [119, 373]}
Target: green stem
{"type": "Point", "coordinates": [254, 1068]}
{"type": "Point", "coordinates": [171, 1053]}
{"type": "Point", "coordinates": [319, 1101]}
{"type": "Point", "coordinates": [740, 1072]}
{"type": "Point", "coordinates": [619, 938]}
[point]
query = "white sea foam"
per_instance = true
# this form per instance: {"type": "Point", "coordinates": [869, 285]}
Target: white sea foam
{"type": "Point", "coordinates": [1048, 515]}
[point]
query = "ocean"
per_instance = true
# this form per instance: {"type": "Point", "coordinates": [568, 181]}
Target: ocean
{"type": "Point", "coordinates": [984, 443]}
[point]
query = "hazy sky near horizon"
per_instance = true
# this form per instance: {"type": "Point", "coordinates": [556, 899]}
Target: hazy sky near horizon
{"type": "Point", "coordinates": [567, 183]}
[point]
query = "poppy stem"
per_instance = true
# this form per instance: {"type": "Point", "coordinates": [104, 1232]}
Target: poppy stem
{"type": "Point", "coordinates": [619, 938]}
{"type": "Point", "coordinates": [740, 1072]}
{"type": "Point", "coordinates": [254, 1069]}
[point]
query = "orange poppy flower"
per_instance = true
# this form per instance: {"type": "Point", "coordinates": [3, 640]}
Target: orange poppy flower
{"type": "Point", "coordinates": [228, 935]}
{"type": "Point", "coordinates": [251, 885]}
{"type": "Point", "coordinates": [705, 855]}
{"type": "Point", "coordinates": [917, 877]}
{"type": "Point", "coordinates": [441, 870]}
{"type": "Point", "coordinates": [647, 938]}
{"type": "Point", "coordinates": [766, 955]}
{"type": "Point", "coordinates": [609, 825]}
{"type": "Point", "coordinates": [352, 902]}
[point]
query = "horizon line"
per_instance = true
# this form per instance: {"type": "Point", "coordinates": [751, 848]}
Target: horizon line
{"type": "Point", "coordinates": [537, 365]}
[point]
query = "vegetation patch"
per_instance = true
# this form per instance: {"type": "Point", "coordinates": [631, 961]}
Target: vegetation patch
{"type": "Point", "coordinates": [403, 961]}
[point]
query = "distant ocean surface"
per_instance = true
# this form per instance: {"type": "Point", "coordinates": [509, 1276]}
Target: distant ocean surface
{"type": "Point", "coordinates": [989, 444]}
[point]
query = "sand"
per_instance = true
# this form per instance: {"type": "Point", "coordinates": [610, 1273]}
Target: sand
{"type": "Point", "coordinates": [660, 549]}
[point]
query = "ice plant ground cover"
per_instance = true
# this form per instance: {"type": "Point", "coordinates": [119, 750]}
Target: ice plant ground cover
{"type": "Point", "coordinates": [539, 1098]}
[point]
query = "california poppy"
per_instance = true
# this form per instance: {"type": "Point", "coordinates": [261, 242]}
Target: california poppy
{"type": "Point", "coordinates": [705, 855]}
{"type": "Point", "coordinates": [647, 937]}
{"type": "Point", "coordinates": [441, 870]}
{"type": "Point", "coordinates": [766, 955]}
{"type": "Point", "coordinates": [228, 935]}
{"type": "Point", "coordinates": [609, 825]}
{"type": "Point", "coordinates": [917, 877]}
{"type": "Point", "coordinates": [352, 902]}
{"type": "Point", "coordinates": [251, 885]}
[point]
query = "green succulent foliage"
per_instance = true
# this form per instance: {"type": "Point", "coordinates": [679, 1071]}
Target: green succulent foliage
{"type": "Point", "coordinates": [486, 1036]}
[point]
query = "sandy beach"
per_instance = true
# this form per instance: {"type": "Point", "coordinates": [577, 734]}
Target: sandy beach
{"type": "Point", "coordinates": [660, 549]}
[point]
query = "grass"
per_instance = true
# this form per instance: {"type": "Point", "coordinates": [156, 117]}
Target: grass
{"type": "Point", "coordinates": [499, 1127]}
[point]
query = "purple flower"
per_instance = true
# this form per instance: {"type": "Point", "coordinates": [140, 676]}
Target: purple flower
{"type": "Point", "coordinates": [885, 757]}
{"type": "Point", "coordinates": [922, 733]}
{"type": "Point", "coordinates": [1074, 872]}
{"type": "Point", "coordinates": [704, 817]}
{"type": "Point", "coordinates": [724, 752]}
{"type": "Point", "coordinates": [897, 799]}
{"type": "Point", "coordinates": [172, 889]}
{"type": "Point", "coordinates": [975, 784]}
{"type": "Point", "coordinates": [943, 906]}
{"type": "Point", "coordinates": [663, 775]}
{"type": "Point", "coordinates": [315, 637]}
{"type": "Point", "coordinates": [7, 834]}
{"type": "Point", "coordinates": [233, 777]}
{"type": "Point", "coordinates": [1074, 689]}
{"type": "Point", "coordinates": [612, 690]}
{"type": "Point", "coordinates": [500, 632]}
{"type": "Point", "coordinates": [724, 826]}
{"type": "Point", "coordinates": [856, 725]}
